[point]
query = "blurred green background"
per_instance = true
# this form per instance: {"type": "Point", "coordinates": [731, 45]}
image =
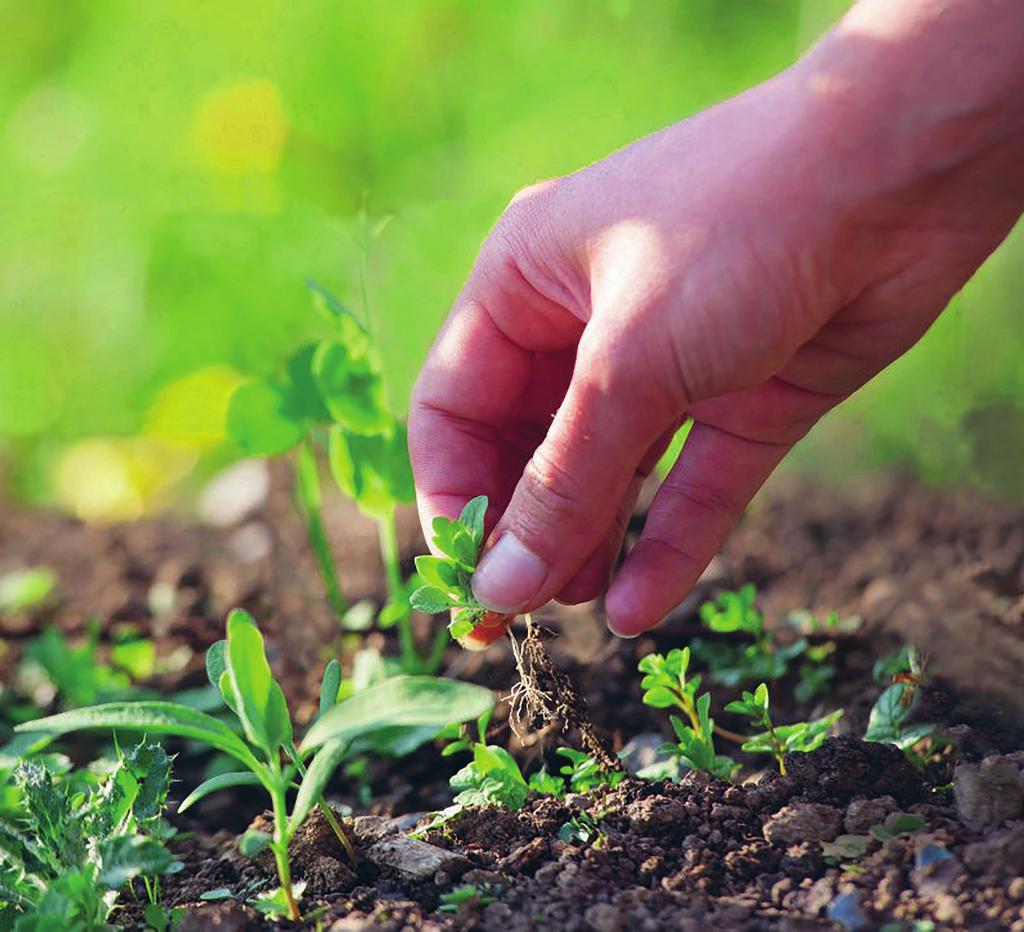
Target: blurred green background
{"type": "Point", "coordinates": [172, 173]}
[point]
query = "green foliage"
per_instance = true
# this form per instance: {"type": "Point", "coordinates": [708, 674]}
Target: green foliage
{"type": "Point", "coordinates": [238, 668]}
{"type": "Point", "coordinates": [469, 896]}
{"type": "Point", "coordinates": [78, 837]}
{"type": "Point", "coordinates": [447, 577]}
{"type": "Point", "coordinates": [780, 740]}
{"type": "Point", "coordinates": [582, 828]}
{"type": "Point", "coordinates": [584, 773]}
{"type": "Point", "coordinates": [733, 663]}
{"type": "Point", "coordinates": [890, 721]}
{"type": "Point", "coordinates": [666, 685]}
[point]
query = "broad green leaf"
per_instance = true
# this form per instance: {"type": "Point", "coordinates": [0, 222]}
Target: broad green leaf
{"type": "Point", "coordinates": [151, 765]}
{"type": "Point", "coordinates": [260, 418]}
{"type": "Point", "coordinates": [304, 403]}
{"type": "Point", "coordinates": [472, 518]}
{"type": "Point", "coordinates": [125, 857]}
{"type": "Point", "coordinates": [321, 767]}
{"type": "Point", "coordinates": [401, 700]}
{"type": "Point", "coordinates": [431, 600]}
{"type": "Point", "coordinates": [660, 698]}
{"type": "Point", "coordinates": [351, 387]}
{"type": "Point", "coordinates": [222, 781]}
{"type": "Point", "coordinates": [329, 686]}
{"type": "Point", "coordinates": [153, 718]}
{"type": "Point", "coordinates": [253, 842]}
{"type": "Point", "coordinates": [216, 662]}
{"type": "Point", "coordinates": [437, 571]}
{"type": "Point", "coordinates": [261, 703]}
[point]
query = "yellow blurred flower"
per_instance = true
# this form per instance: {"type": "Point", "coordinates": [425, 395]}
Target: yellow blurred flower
{"type": "Point", "coordinates": [192, 411]}
{"type": "Point", "coordinates": [240, 128]}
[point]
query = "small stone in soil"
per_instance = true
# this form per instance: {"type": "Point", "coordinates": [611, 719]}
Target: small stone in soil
{"type": "Point", "coordinates": [846, 910]}
{"type": "Point", "coordinates": [988, 794]}
{"type": "Point", "coordinates": [800, 822]}
{"type": "Point", "coordinates": [415, 859]}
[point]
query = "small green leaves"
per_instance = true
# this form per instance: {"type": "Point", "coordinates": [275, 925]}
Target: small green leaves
{"type": "Point", "coordinates": [887, 723]}
{"type": "Point", "coordinates": [492, 778]}
{"type": "Point", "coordinates": [734, 611]}
{"type": "Point", "coordinates": [125, 857]}
{"type": "Point", "coordinates": [260, 419]}
{"type": "Point", "coordinates": [447, 577]}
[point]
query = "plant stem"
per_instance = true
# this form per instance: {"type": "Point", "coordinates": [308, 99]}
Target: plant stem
{"type": "Point", "coordinates": [326, 811]}
{"type": "Point", "coordinates": [280, 846]}
{"type": "Point", "coordinates": [388, 536]}
{"type": "Point", "coordinates": [308, 497]}
{"type": "Point", "coordinates": [733, 736]}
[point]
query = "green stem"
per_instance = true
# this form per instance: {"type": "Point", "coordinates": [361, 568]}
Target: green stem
{"type": "Point", "coordinates": [388, 535]}
{"type": "Point", "coordinates": [307, 493]}
{"type": "Point", "coordinates": [280, 846]}
{"type": "Point", "coordinates": [435, 659]}
{"type": "Point", "coordinates": [326, 811]}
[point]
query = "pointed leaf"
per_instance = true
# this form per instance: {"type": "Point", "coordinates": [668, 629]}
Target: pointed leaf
{"type": "Point", "coordinates": [323, 765]}
{"type": "Point", "coordinates": [222, 781]}
{"type": "Point", "coordinates": [330, 685]}
{"type": "Point", "coordinates": [401, 700]}
{"type": "Point", "coordinates": [472, 518]}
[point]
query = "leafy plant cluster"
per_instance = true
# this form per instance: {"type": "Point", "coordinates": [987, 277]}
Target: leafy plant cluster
{"type": "Point", "coordinates": [331, 392]}
{"type": "Point", "coordinates": [891, 720]}
{"type": "Point", "coordinates": [447, 577]}
{"type": "Point", "coordinates": [76, 838]}
{"type": "Point", "coordinates": [266, 747]}
{"type": "Point", "coordinates": [763, 659]}
{"type": "Point", "coordinates": [668, 685]}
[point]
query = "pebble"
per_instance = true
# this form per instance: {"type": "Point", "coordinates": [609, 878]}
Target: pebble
{"type": "Point", "coordinates": [861, 814]}
{"type": "Point", "coordinates": [1015, 890]}
{"type": "Point", "coordinates": [800, 822]}
{"type": "Point", "coordinates": [988, 794]}
{"type": "Point", "coordinates": [846, 910]}
{"type": "Point", "coordinates": [415, 859]}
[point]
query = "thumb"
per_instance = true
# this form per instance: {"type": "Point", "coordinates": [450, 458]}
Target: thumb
{"type": "Point", "coordinates": [571, 489]}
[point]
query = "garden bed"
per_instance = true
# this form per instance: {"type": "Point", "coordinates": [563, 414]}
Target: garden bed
{"type": "Point", "coordinates": [939, 569]}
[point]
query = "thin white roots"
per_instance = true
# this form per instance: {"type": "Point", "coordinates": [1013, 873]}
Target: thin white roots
{"type": "Point", "coordinates": [527, 700]}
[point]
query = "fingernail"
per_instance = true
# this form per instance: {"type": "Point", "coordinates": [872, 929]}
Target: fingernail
{"type": "Point", "coordinates": [508, 576]}
{"type": "Point", "coordinates": [628, 635]}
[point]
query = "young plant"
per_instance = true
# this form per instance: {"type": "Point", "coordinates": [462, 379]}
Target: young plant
{"type": "Point", "coordinates": [730, 663]}
{"type": "Point", "coordinates": [447, 578]}
{"type": "Point", "coordinates": [333, 390]}
{"type": "Point", "coordinates": [467, 897]}
{"type": "Point", "coordinates": [890, 718]}
{"type": "Point", "coordinates": [267, 749]}
{"type": "Point", "coordinates": [779, 740]}
{"type": "Point", "coordinates": [666, 686]}
{"type": "Point", "coordinates": [492, 777]}
{"type": "Point", "coordinates": [77, 838]}
{"type": "Point", "coordinates": [583, 772]}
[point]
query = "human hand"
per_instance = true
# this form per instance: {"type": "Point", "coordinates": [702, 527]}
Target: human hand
{"type": "Point", "coordinates": [749, 267]}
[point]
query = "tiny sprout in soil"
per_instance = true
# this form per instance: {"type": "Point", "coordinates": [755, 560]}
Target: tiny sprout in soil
{"type": "Point", "coordinates": [267, 749]}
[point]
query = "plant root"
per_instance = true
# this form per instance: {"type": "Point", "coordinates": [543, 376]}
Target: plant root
{"type": "Point", "coordinates": [546, 695]}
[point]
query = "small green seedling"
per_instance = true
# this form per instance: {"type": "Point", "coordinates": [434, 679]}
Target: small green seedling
{"type": "Point", "coordinates": [267, 750]}
{"type": "Point", "coordinates": [583, 772]}
{"type": "Point", "coordinates": [666, 686]}
{"type": "Point", "coordinates": [78, 837]}
{"type": "Point", "coordinates": [447, 577]}
{"type": "Point", "coordinates": [492, 777]}
{"type": "Point", "coordinates": [469, 896]}
{"type": "Point", "coordinates": [780, 740]}
{"type": "Point", "coordinates": [584, 829]}
{"type": "Point", "coordinates": [889, 721]}
{"type": "Point", "coordinates": [334, 389]}
{"type": "Point", "coordinates": [730, 663]}
{"type": "Point", "coordinates": [896, 824]}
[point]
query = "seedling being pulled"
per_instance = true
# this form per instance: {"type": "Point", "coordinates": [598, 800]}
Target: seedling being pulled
{"type": "Point", "coordinates": [238, 668]}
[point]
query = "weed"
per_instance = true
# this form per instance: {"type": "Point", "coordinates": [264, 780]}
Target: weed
{"type": "Point", "coordinates": [666, 686]}
{"type": "Point", "coordinates": [334, 388]}
{"type": "Point", "coordinates": [238, 667]}
{"type": "Point", "coordinates": [780, 740]}
{"type": "Point", "coordinates": [890, 718]}
{"type": "Point", "coordinates": [78, 837]}
{"type": "Point", "coordinates": [584, 772]}
{"type": "Point", "coordinates": [583, 828]}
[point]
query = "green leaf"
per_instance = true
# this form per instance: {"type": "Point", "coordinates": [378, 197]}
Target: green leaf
{"type": "Point", "coordinates": [261, 703]}
{"type": "Point", "coordinates": [323, 765]}
{"type": "Point", "coordinates": [351, 387]}
{"type": "Point", "coordinates": [372, 470]}
{"type": "Point", "coordinates": [151, 766]}
{"type": "Point", "coordinates": [660, 698]}
{"type": "Point", "coordinates": [125, 857]}
{"type": "Point", "coordinates": [400, 700]}
{"type": "Point", "coordinates": [437, 571]}
{"type": "Point", "coordinates": [260, 419]}
{"type": "Point", "coordinates": [430, 599]}
{"type": "Point", "coordinates": [461, 625]}
{"type": "Point", "coordinates": [329, 686]}
{"type": "Point", "coordinates": [167, 718]}
{"type": "Point", "coordinates": [472, 518]}
{"type": "Point", "coordinates": [222, 781]}
{"type": "Point", "coordinates": [216, 662]}
{"type": "Point", "coordinates": [252, 843]}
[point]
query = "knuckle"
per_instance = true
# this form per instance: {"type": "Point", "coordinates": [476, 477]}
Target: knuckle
{"type": "Point", "coordinates": [551, 493]}
{"type": "Point", "coordinates": [702, 497]}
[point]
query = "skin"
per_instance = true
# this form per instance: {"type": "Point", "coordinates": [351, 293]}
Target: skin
{"type": "Point", "coordinates": [749, 267]}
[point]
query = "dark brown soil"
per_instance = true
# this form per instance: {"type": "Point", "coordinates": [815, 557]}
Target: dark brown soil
{"type": "Point", "coordinates": [944, 570]}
